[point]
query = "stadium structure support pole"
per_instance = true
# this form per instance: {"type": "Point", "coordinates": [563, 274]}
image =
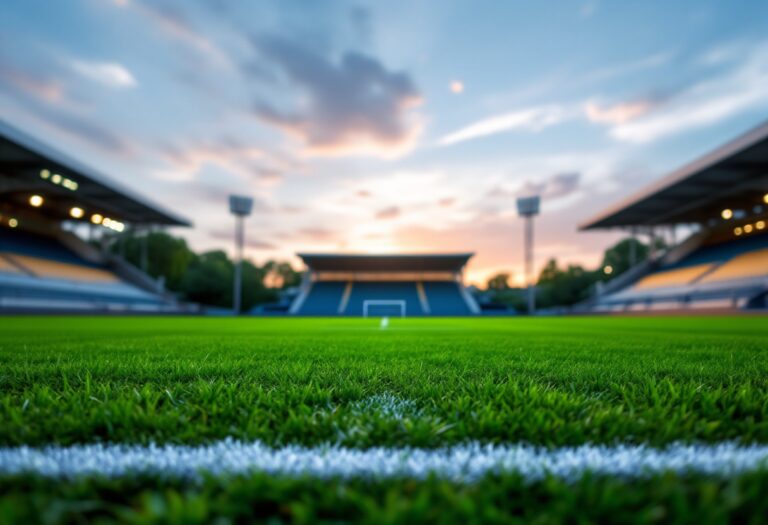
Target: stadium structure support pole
{"type": "Point", "coordinates": [239, 240]}
{"type": "Point", "coordinates": [529, 265]}
{"type": "Point", "coordinates": [528, 208]}
{"type": "Point", "coordinates": [241, 208]}
{"type": "Point", "coordinates": [144, 239]}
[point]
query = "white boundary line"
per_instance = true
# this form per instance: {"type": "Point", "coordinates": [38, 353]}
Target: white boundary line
{"type": "Point", "coordinates": [463, 463]}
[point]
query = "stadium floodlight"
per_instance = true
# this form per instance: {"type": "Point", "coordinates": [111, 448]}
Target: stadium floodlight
{"type": "Point", "coordinates": [528, 208]}
{"type": "Point", "coordinates": [240, 207]}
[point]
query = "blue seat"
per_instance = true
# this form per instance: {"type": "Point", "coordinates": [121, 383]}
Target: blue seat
{"type": "Point", "coordinates": [44, 290]}
{"type": "Point", "coordinates": [445, 298]}
{"type": "Point", "coordinates": [323, 299]}
{"type": "Point", "coordinates": [721, 252]}
{"type": "Point", "coordinates": [37, 245]}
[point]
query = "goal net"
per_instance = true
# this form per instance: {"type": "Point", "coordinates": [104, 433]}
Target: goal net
{"type": "Point", "coordinates": [381, 308]}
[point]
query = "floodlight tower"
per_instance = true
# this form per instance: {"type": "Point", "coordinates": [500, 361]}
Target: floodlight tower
{"type": "Point", "coordinates": [528, 208]}
{"type": "Point", "coordinates": [241, 208]}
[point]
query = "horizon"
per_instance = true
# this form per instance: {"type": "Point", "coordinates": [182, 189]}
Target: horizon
{"type": "Point", "coordinates": [359, 129]}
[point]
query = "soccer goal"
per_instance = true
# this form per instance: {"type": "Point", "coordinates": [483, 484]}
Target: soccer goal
{"type": "Point", "coordinates": [382, 308]}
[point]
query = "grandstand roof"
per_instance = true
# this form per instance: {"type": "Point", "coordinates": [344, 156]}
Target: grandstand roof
{"type": "Point", "coordinates": [330, 262]}
{"type": "Point", "coordinates": [22, 157]}
{"type": "Point", "coordinates": [733, 176]}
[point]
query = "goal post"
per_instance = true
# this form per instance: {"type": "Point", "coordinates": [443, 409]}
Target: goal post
{"type": "Point", "coordinates": [383, 308]}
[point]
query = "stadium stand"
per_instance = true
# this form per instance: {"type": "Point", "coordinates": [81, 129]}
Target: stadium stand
{"type": "Point", "coordinates": [429, 284]}
{"type": "Point", "coordinates": [445, 298]}
{"type": "Point", "coordinates": [44, 266]}
{"type": "Point", "coordinates": [324, 299]}
{"type": "Point", "coordinates": [722, 198]}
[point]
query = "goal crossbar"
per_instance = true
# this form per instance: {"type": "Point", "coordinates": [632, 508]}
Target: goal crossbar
{"type": "Point", "coordinates": [367, 304]}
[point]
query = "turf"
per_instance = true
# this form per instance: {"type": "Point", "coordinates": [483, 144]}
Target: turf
{"type": "Point", "coordinates": [425, 383]}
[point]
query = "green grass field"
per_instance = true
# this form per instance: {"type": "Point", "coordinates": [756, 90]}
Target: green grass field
{"type": "Point", "coordinates": [422, 383]}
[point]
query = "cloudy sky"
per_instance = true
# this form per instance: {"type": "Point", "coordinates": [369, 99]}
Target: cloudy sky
{"type": "Point", "coordinates": [386, 126]}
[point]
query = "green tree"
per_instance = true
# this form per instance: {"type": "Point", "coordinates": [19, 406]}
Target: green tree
{"type": "Point", "coordinates": [167, 256]}
{"type": "Point", "coordinates": [206, 278]}
{"type": "Point", "coordinates": [564, 287]}
{"type": "Point", "coordinates": [500, 281]}
{"type": "Point", "coordinates": [210, 280]}
{"type": "Point", "coordinates": [280, 275]}
{"type": "Point", "coordinates": [619, 256]}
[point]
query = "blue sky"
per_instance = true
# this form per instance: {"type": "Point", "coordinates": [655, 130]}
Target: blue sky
{"type": "Point", "coordinates": [386, 126]}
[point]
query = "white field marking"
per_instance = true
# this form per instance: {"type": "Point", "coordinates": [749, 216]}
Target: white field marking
{"type": "Point", "coordinates": [463, 463]}
{"type": "Point", "coordinates": [384, 323]}
{"type": "Point", "coordinates": [387, 405]}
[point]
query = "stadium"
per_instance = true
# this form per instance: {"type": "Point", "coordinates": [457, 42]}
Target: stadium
{"type": "Point", "coordinates": [445, 290]}
{"type": "Point", "coordinates": [722, 200]}
{"type": "Point", "coordinates": [45, 267]}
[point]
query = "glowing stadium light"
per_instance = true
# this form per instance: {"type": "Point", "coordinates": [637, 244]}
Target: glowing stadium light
{"type": "Point", "coordinates": [240, 207]}
{"type": "Point", "coordinates": [760, 225]}
{"type": "Point", "coordinates": [56, 178]}
{"type": "Point", "coordinates": [112, 224]}
{"type": "Point", "coordinates": [76, 212]}
{"type": "Point", "coordinates": [45, 174]}
{"type": "Point", "coordinates": [608, 270]}
{"type": "Point", "coordinates": [747, 228]}
{"type": "Point", "coordinates": [737, 231]}
{"type": "Point", "coordinates": [96, 218]}
{"type": "Point", "coordinates": [765, 198]}
{"type": "Point", "coordinates": [726, 213]}
{"type": "Point", "coordinates": [36, 201]}
{"type": "Point", "coordinates": [12, 222]}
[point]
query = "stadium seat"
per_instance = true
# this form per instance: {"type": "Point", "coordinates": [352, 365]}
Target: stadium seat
{"type": "Point", "coordinates": [62, 270]}
{"type": "Point", "coordinates": [744, 266]}
{"type": "Point", "coordinates": [7, 266]}
{"type": "Point", "coordinates": [674, 277]}
{"type": "Point", "coordinates": [444, 298]}
{"type": "Point", "coordinates": [38, 272]}
{"type": "Point", "coordinates": [323, 298]}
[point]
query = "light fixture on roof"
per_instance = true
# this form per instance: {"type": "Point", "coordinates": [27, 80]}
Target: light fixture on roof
{"type": "Point", "coordinates": [608, 270]}
{"type": "Point", "coordinates": [96, 218]}
{"type": "Point", "coordinates": [112, 224]}
{"type": "Point", "coordinates": [726, 213]}
{"type": "Point", "coordinates": [76, 212]}
{"type": "Point", "coordinates": [765, 198]}
{"type": "Point", "coordinates": [56, 178]}
{"type": "Point", "coordinates": [760, 225]}
{"type": "Point", "coordinates": [12, 222]}
{"type": "Point", "coordinates": [45, 174]}
{"type": "Point", "coordinates": [747, 228]}
{"type": "Point", "coordinates": [36, 201]}
{"type": "Point", "coordinates": [737, 231]}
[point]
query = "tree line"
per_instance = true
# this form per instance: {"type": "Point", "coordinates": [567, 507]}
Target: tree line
{"type": "Point", "coordinates": [205, 278]}
{"type": "Point", "coordinates": [568, 285]}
